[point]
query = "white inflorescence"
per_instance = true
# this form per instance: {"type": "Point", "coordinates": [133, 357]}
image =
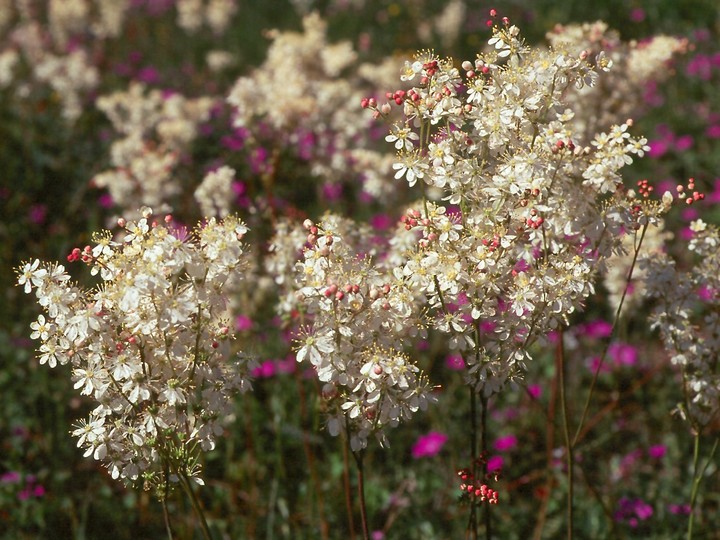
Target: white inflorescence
{"type": "Point", "coordinates": [150, 344]}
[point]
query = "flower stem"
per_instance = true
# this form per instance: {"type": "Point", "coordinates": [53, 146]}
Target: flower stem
{"type": "Point", "coordinates": [473, 525]}
{"type": "Point", "coordinates": [348, 495]}
{"type": "Point", "coordinates": [185, 482]}
{"type": "Point", "coordinates": [361, 493]}
{"type": "Point", "coordinates": [484, 450]}
{"type": "Point", "coordinates": [569, 444]}
{"type": "Point", "coordinates": [697, 478]}
{"type": "Point", "coordinates": [610, 337]}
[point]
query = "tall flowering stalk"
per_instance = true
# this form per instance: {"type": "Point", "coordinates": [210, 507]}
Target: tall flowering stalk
{"type": "Point", "coordinates": [688, 318]}
{"type": "Point", "coordinates": [361, 315]}
{"type": "Point", "coordinates": [536, 209]}
{"type": "Point", "coordinates": [149, 344]}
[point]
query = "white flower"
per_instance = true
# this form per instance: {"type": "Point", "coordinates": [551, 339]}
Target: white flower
{"type": "Point", "coordinates": [403, 137]}
{"type": "Point", "coordinates": [314, 346]}
{"type": "Point", "coordinates": [31, 275]}
{"type": "Point", "coordinates": [41, 328]}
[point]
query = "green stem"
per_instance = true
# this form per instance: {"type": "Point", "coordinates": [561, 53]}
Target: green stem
{"type": "Point", "coordinates": [610, 338]}
{"type": "Point", "coordinates": [697, 478]}
{"type": "Point", "coordinates": [163, 501]}
{"type": "Point", "coordinates": [166, 517]}
{"type": "Point", "coordinates": [185, 482]}
{"type": "Point", "coordinates": [473, 525]}
{"type": "Point", "coordinates": [569, 444]}
{"type": "Point", "coordinates": [484, 451]}
{"type": "Point", "coordinates": [346, 485]}
{"type": "Point", "coordinates": [361, 493]}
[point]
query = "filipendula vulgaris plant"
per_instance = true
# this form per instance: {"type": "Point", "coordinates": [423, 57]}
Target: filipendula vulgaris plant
{"type": "Point", "coordinates": [687, 315]}
{"type": "Point", "coordinates": [149, 344]}
{"type": "Point", "coordinates": [361, 315]}
{"type": "Point", "coordinates": [519, 214]}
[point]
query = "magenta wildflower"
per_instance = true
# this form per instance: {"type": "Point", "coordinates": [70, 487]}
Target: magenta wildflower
{"type": "Point", "coordinates": [429, 445]}
{"type": "Point", "coordinates": [535, 391]}
{"type": "Point", "coordinates": [381, 222]}
{"type": "Point", "coordinates": [495, 463]}
{"type": "Point", "coordinates": [684, 142]}
{"type": "Point", "coordinates": [243, 323]}
{"type": "Point", "coordinates": [679, 509]}
{"type": "Point", "coordinates": [633, 511]}
{"type": "Point", "coordinates": [657, 451]}
{"type": "Point", "coordinates": [658, 148]}
{"type": "Point", "coordinates": [455, 362]}
{"type": "Point", "coordinates": [265, 370]}
{"type": "Point", "coordinates": [149, 75]}
{"type": "Point", "coordinates": [506, 443]}
{"type": "Point", "coordinates": [713, 131]}
{"type": "Point", "coordinates": [10, 477]}
{"type": "Point", "coordinates": [597, 329]}
{"type": "Point", "coordinates": [637, 15]}
{"type": "Point", "coordinates": [623, 354]}
{"type": "Point", "coordinates": [37, 214]}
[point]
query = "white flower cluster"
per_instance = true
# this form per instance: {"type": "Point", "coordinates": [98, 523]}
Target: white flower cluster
{"type": "Point", "coordinates": [150, 344]}
{"type": "Point", "coordinates": [537, 212]}
{"type": "Point", "coordinates": [361, 317]}
{"type": "Point", "coordinates": [299, 102]}
{"type": "Point", "coordinates": [155, 129]}
{"type": "Point", "coordinates": [688, 317]}
{"type": "Point", "coordinates": [214, 194]}
{"type": "Point", "coordinates": [217, 14]}
{"type": "Point", "coordinates": [41, 34]}
{"type": "Point", "coordinates": [620, 93]}
{"type": "Point", "coordinates": [619, 266]}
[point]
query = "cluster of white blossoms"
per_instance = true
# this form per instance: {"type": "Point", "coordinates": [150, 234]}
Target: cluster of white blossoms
{"type": "Point", "coordinates": [297, 101]}
{"type": "Point", "coordinates": [155, 129]}
{"type": "Point", "coordinates": [214, 195]}
{"type": "Point", "coordinates": [150, 344]}
{"type": "Point", "coordinates": [39, 36]}
{"type": "Point", "coordinates": [216, 14]}
{"type": "Point", "coordinates": [361, 318]}
{"type": "Point", "coordinates": [622, 92]}
{"type": "Point", "coordinates": [687, 314]}
{"type": "Point", "coordinates": [536, 212]}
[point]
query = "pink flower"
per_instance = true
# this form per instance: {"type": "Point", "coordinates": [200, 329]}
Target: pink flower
{"type": "Point", "coordinates": [332, 191]}
{"type": "Point", "coordinates": [658, 148]}
{"type": "Point", "coordinates": [455, 362]}
{"type": "Point", "coordinates": [243, 323]}
{"type": "Point", "coordinates": [684, 142]}
{"type": "Point", "coordinates": [10, 477]}
{"type": "Point", "coordinates": [679, 509]}
{"type": "Point", "coordinates": [715, 194]}
{"type": "Point", "coordinates": [713, 131]}
{"type": "Point", "coordinates": [594, 363]}
{"type": "Point", "coordinates": [429, 445]}
{"type": "Point", "coordinates": [657, 451]}
{"type": "Point", "coordinates": [381, 222]}
{"type": "Point", "coordinates": [623, 354]}
{"type": "Point", "coordinates": [37, 214]}
{"type": "Point", "coordinates": [495, 463]}
{"type": "Point", "coordinates": [597, 329]}
{"type": "Point", "coordinates": [264, 370]}
{"type": "Point", "coordinates": [637, 15]}
{"type": "Point", "coordinates": [535, 391]}
{"type": "Point", "coordinates": [505, 443]}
